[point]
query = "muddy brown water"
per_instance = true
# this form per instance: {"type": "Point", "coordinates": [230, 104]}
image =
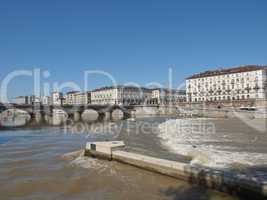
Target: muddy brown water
{"type": "Point", "coordinates": [33, 166]}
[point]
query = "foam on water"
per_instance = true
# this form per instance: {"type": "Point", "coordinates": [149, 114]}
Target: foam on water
{"type": "Point", "coordinates": [77, 159]}
{"type": "Point", "coordinates": [86, 162]}
{"type": "Point", "coordinates": [198, 139]}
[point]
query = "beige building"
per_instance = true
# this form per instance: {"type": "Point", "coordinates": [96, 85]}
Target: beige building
{"type": "Point", "coordinates": [164, 96]}
{"type": "Point", "coordinates": [28, 100]}
{"type": "Point", "coordinates": [121, 95]}
{"type": "Point", "coordinates": [57, 98]}
{"type": "Point", "coordinates": [22, 100]}
{"type": "Point", "coordinates": [64, 100]}
{"type": "Point", "coordinates": [70, 97]}
{"type": "Point", "coordinates": [82, 98]}
{"type": "Point", "coordinates": [45, 100]}
{"type": "Point", "coordinates": [77, 98]}
{"type": "Point", "coordinates": [241, 83]}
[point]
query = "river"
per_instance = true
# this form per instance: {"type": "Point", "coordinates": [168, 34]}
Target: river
{"type": "Point", "coordinates": [35, 162]}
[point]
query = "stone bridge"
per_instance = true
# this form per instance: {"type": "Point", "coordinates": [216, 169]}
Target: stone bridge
{"type": "Point", "coordinates": [87, 113]}
{"type": "Point", "coordinates": [74, 112]}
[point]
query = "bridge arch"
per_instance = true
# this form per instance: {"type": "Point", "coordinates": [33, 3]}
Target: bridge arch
{"type": "Point", "coordinates": [13, 117]}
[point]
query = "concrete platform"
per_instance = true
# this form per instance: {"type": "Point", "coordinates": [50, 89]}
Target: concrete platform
{"type": "Point", "coordinates": [103, 150]}
{"type": "Point", "coordinates": [233, 183]}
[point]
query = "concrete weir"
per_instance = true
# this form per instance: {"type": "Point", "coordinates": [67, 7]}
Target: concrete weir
{"type": "Point", "coordinates": [233, 183]}
{"type": "Point", "coordinates": [103, 150]}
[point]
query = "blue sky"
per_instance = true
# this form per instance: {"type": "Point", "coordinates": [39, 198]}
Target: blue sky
{"type": "Point", "coordinates": [135, 41]}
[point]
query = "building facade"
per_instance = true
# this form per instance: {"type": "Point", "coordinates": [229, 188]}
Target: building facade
{"type": "Point", "coordinates": [163, 96]}
{"type": "Point", "coordinates": [241, 83]}
{"type": "Point", "coordinates": [82, 98]}
{"type": "Point", "coordinates": [57, 98]}
{"type": "Point", "coordinates": [45, 100]}
{"type": "Point", "coordinates": [64, 100]}
{"type": "Point", "coordinates": [35, 100]}
{"type": "Point", "coordinates": [22, 100]}
{"type": "Point", "coordinates": [27, 100]}
{"type": "Point", "coordinates": [77, 98]}
{"type": "Point", "coordinates": [121, 95]}
{"type": "Point", "coordinates": [70, 98]}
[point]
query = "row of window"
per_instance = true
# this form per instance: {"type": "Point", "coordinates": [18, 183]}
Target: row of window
{"type": "Point", "coordinates": [242, 97]}
{"type": "Point", "coordinates": [219, 92]}
{"type": "Point", "coordinates": [225, 80]}
{"type": "Point", "coordinates": [255, 73]}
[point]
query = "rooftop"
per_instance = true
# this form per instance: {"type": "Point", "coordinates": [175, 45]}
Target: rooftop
{"type": "Point", "coordinates": [168, 90]}
{"type": "Point", "coordinates": [120, 87]}
{"type": "Point", "coordinates": [18, 97]}
{"type": "Point", "coordinates": [246, 68]}
{"type": "Point", "coordinates": [73, 92]}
